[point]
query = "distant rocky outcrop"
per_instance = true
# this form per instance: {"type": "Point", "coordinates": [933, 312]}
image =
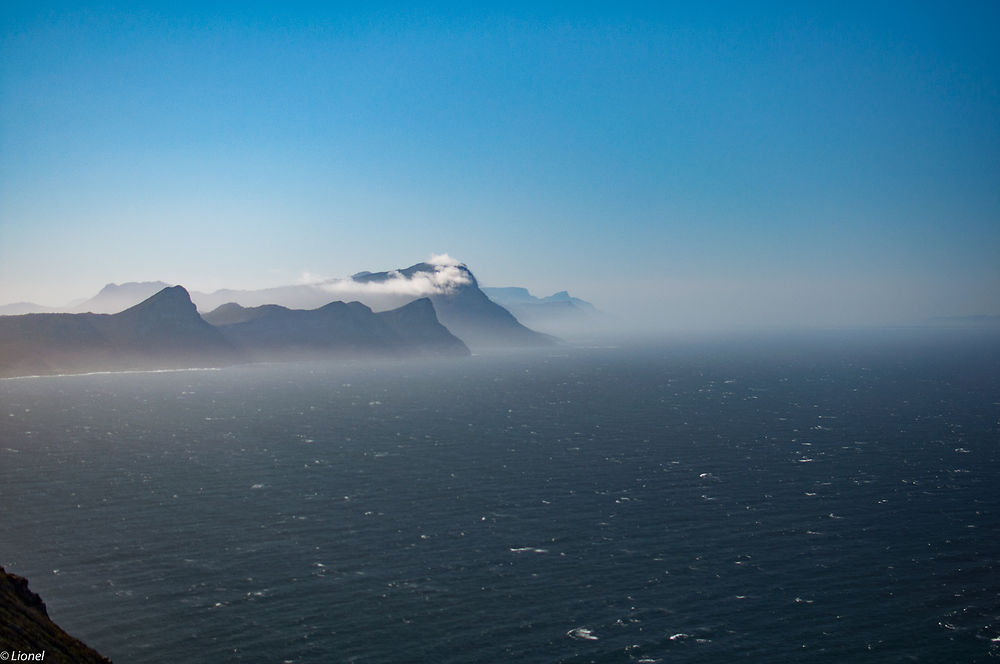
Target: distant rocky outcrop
{"type": "Point", "coordinates": [514, 296]}
{"type": "Point", "coordinates": [418, 327]}
{"type": "Point", "coordinates": [163, 331]}
{"type": "Point", "coordinates": [559, 313]}
{"type": "Point", "coordinates": [466, 310]}
{"type": "Point", "coordinates": [272, 332]}
{"type": "Point", "coordinates": [25, 627]}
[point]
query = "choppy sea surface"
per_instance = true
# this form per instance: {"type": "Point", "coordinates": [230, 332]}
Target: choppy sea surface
{"type": "Point", "coordinates": [821, 497]}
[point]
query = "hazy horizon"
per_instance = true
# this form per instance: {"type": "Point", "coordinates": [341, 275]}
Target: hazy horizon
{"type": "Point", "coordinates": [618, 321]}
{"type": "Point", "coordinates": [685, 166]}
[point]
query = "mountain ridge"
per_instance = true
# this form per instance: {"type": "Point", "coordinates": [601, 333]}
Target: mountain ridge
{"type": "Point", "coordinates": [273, 332]}
{"type": "Point", "coordinates": [464, 309]}
{"type": "Point", "coordinates": [559, 313]}
{"type": "Point", "coordinates": [460, 304]}
{"type": "Point", "coordinates": [165, 331]}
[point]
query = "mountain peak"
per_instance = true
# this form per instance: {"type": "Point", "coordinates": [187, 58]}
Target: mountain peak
{"type": "Point", "coordinates": [117, 297]}
{"type": "Point", "coordinates": [168, 316]}
{"type": "Point", "coordinates": [337, 328]}
{"type": "Point", "coordinates": [132, 286]}
{"type": "Point", "coordinates": [162, 331]}
{"type": "Point", "coordinates": [172, 298]}
{"type": "Point", "coordinates": [456, 276]}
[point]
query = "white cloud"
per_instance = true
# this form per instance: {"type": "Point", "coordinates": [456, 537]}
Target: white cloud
{"type": "Point", "coordinates": [310, 279]}
{"type": "Point", "coordinates": [447, 276]}
{"type": "Point", "coordinates": [443, 259]}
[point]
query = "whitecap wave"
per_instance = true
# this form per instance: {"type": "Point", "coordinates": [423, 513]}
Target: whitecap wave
{"type": "Point", "coordinates": [581, 633]}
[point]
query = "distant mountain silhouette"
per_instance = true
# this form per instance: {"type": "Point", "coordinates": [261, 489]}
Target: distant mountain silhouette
{"type": "Point", "coordinates": [512, 295]}
{"type": "Point", "coordinates": [465, 310]}
{"type": "Point", "coordinates": [300, 296]}
{"type": "Point", "coordinates": [460, 304]}
{"type": "Point", "coordinates": [273, 332]}
{"type": "Point", "coordinates": [118, 297]}
{"type": "Point", "coordinates": [166, 331]}
{"type": "Point", "coordinates": [163, 331]}
{"type": "Point", "coordinates": [18, 308]}
{"type": "Point", "coordinates": [417, 326]}
{"type": "Point", "coordinates": [110, 300]}
{"type": "Point", "coordinates": [559, 313]}
{"type": "Point", "coordinates": [232, 313]}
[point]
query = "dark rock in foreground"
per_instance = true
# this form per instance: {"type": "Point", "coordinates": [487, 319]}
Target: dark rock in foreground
{"type": "Point", "coordinates": [25, 627]}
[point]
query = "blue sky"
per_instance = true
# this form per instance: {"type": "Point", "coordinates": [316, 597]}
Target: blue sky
{"type": "Point", "coordinates": [736, 163]}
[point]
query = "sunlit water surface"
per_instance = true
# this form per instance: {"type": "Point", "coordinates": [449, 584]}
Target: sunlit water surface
{"type": "Point", "coordinates": [824, 497]}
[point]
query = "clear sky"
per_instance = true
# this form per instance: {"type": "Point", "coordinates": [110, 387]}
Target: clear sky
{"type": "Point", "coordinates": [714, 163]}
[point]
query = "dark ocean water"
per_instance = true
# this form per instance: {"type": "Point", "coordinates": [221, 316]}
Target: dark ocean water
{"type": "Point", "coordinates": [823, 497]}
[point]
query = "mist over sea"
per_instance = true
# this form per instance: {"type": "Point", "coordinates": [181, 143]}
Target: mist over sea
{"type": "Point", "coordinates": [818, 496]}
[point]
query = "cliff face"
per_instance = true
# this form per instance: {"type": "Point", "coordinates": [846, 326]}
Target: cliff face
{"type": "Point", "coordinates": [467, 312]}
{"type": "Point", "coordinates": [25, 627]}
{"type": "Point", "coordinates": [418, 329]}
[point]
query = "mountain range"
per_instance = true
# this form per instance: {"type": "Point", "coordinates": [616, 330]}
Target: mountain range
{"type": "Point", "coordinates": [442, 311]}
{"type": "Point", "coordinates": [560, 313]}
{"type": "Point", "coordinates": [272, 332]}
{"type": "Point", "coordinates": [166, 331]}
{"type": "Point", "coordinates": [461, 305]}
{"type": "Point", "coordinates": [163, 331]}
{"type": "Point", "coordinates": [459, 302]}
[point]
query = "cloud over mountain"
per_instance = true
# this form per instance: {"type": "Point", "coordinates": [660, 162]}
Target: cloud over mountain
{"type": "Point", "coordinates": [445, 278]}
